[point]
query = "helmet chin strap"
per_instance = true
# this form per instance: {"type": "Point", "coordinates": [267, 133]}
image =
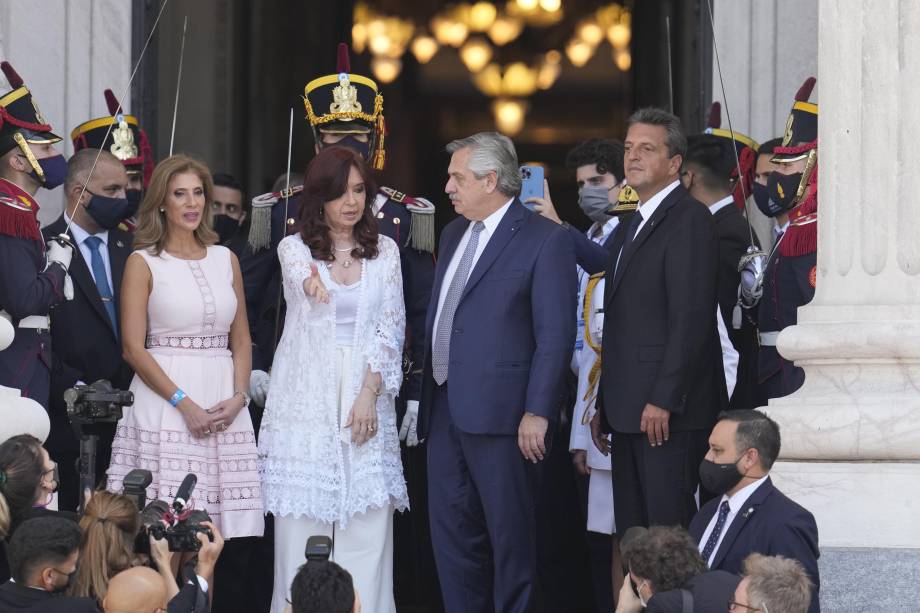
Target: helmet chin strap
{"type": "Point", "coordinates": [27, 151]}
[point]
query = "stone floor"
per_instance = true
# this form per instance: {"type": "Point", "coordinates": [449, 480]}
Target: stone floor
{"type": "Point", "coordinates": [869, 580]}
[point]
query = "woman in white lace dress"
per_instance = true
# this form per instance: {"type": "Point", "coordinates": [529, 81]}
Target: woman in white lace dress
{"type": "Point", "coordinates": [328, 441]}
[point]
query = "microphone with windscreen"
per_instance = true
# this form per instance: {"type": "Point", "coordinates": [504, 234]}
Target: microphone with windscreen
{"type": "Point", "coordinates": [184, 493]}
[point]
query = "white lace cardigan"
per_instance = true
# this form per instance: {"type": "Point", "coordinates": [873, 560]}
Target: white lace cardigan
{"type": "Point", "coordinates": [306, 470]}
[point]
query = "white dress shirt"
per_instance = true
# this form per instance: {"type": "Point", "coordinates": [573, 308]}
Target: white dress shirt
{"type": "Point", "coordinates": [721, 204]}
{"type": "Point", "coordinates": [491, 224]}
{"type": "Point", "coordinates": [735, 505]}
{"type": "Point", "coordinates": [80, 235]}
{"type": "Point", "coordinates": [647, 209]}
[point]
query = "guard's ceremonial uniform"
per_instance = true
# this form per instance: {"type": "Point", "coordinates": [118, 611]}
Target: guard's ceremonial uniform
{"type": "Point", "coordinates": [736, 238]}
{"type": "Point", "coordinates": [127, 141]}
{"type": "Point", "coordinates": [29, 285]}
{"type": "Point", "coordinates": [790, 276]}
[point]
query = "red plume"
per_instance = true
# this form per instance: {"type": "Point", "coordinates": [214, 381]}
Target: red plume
{"type": "Point", "coordinates": [343, 63]}
{"type": "Point", "coordinates": [112, 102]}
{"type": "Point", "coordinates": [11, 75]}
{"type": "Point", "coordinates": [715, 116]}
{"type": "Point", "coordinates": [804, 92]}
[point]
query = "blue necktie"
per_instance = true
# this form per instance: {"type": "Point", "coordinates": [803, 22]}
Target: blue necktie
{"type": "Point", "coordinates": [102, 281]}
{"type": "Point", "coordinates": [716, 531]}
{"type": "Point", "coordinates": [440, 356]}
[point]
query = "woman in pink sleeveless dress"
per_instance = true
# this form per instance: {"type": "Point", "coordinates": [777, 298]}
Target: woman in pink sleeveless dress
{"type": "Point", "coordinates": [184, 331]}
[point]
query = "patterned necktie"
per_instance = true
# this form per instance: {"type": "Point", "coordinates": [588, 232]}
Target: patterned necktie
{"type": "Point", "coordinates": [716, 531]}
{"type": "Point", "coordinates": [441, 351]}
{"type": "Point", "coordinates": [102, 281]}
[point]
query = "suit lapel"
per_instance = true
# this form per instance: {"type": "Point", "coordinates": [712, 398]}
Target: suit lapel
{"type": "Point", "coordinates": [120, 245]}
{"type": "Point", "coordinates": [741, 519]}
{"type": "Point", "coordinates": [647, 229]}
{"type": "Point", "coordinates": [445, 254]}
{"type": "Point", "coordinates": [505, 231]}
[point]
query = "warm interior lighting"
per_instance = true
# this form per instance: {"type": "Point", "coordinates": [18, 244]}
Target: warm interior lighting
{"type": "Point", "coordinates": [449, 31]}
{"type": "Point", "coordinates": [550, 6]}
{"type": "Point", "coordinates": [623, 59]}
{"type": "Point", "coordinates": [423, 48]}
{"type": "Point", "coordinates": [579, 52]}
{"type": "Point", "coordinates": [489, 80]}
{"type": "Point", "coordinates": [527, 5]}
{"type": "Point", "coordinates": [475, 54]}
{"type": "Point", "coordinates": [505, 29]}
{"type": "Point", "coordinates": [482, 16]}
{"type": "Point", "coordinates": [519, 80]}
{"type": "Point", "coordinates": [359, 37]}
{"type": "Point", "coordinates": [590, 32]}
{"type": "Point", "coordinates": [509, 115]}
{"type": "Point", "coordinates": [619, 34]}
{"type": "Point", "coordinates": [386, 69]}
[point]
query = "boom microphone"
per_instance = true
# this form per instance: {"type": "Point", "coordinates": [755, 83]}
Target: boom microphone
{"type": "Point", "coordinates": [185, 492]}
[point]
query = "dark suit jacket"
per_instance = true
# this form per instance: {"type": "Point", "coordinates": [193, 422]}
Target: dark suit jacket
{"type": "Point", "coordinates": [86, 347]}
{"type": "Point", "coordinates": [591, 256]}
{"type": "Point", "coordinates": [771, 525]}
{"type": "Point", "coordinates": [710, 591]}
{"type": "Point", "coordinates": [661, 343]}
{"type": "Point", "coordinates": [16, 598]}
{"type": "Point", "coordinates": [514, 327]}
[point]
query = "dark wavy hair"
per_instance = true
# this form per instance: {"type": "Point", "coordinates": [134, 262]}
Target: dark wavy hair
{"type": "Point", "coordinates": [607, 155]}
{"type": "Point", "coordinates": [665, 556]}
{"type": "Point", "coordinates": [326, 180]}
{"type": "Point", "coordinates": [22, 465]}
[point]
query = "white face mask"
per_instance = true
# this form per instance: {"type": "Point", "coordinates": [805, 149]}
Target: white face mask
{"type": "Point", "coordinates": [642, 601]}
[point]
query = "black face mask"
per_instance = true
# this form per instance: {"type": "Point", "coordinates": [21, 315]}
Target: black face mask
{"type": "Point", "coordinates": [719, 478]}
{"type": "Point", "coordinates": [351, 141]}
{"type": "Point", "coordinates": [134, 197]}
{"type": "Point", "coordinates": [225, 226]}
{"type": "Point", "coordinates": [762, 200]}
{"type": "Point", "coordinates": [60, 589]}
{"type": "Point", "coordinates": [108, 212]}
{"type": "Point", "coordinates": [781, 189]}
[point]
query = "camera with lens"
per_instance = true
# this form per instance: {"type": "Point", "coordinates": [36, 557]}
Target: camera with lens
{"type": "Point", "coordinates": [96, 402]}
{"type": "Point", "coordinates": [178, 523]}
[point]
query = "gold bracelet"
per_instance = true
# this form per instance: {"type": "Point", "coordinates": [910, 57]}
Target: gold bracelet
{"type": "Point", "coordinates": [376, 392]}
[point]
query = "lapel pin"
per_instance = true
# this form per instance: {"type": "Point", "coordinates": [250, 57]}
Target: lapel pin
{"type": "Point", "coordinates": [119, 243]}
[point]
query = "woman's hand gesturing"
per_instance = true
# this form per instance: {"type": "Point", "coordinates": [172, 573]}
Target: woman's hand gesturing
{"type": "Point", "coordinates": [313, 286]}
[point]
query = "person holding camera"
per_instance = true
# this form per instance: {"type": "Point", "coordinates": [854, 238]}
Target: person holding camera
{"type": "Point", "coordinates": [328, 437]}
{"type": "Point", "coordinates": [184, 332]}
{"type": "Point", "coordinates": [43, 556]}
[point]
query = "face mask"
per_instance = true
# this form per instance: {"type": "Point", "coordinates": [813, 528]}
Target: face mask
{"type": "Point", "coordinates": [762, 200]}
{"type": "Point", "coordinates": [354, 144]}
{"type": "Point", "coordinates": [55, 169]}
{"type": "Point", "coordinates": [642, 601]}
{"type": "Point", "coordinates": [60, 589]}
{"type": "Point", "coordinates": [108, 212]}
{"type": "Point", "coordinates": [781, 189]}
{"type": "Point", "coordinates": [594, 201]}
{"type": "Point", "coordinates": [134, 197]}
{"type": "Point", "coordinates": [719, 478]}
{"type": "Point", "coordinates": [225, 226]}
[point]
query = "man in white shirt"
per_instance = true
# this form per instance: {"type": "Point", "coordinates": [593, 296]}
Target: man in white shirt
{"type": "Point", "coordinates": [750, 515]}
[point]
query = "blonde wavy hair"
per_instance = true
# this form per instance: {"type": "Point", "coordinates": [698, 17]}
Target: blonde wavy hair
{"type": "Point", "coordinates": [152, 227]}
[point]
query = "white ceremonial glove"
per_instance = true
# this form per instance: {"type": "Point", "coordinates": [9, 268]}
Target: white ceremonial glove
{"type": "Point", "coordinates": [60, 251]}
{"type": "Point", "coordinates": [408, 432]}
{"type": "Point", "coordinates": [258, 386]}
{"type": "Point", "coordinates": [68, 287]}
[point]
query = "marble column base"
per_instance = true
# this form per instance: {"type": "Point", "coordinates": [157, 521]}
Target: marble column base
{"type": "Point", "coordinates": [869, 580]}
{"type": "Point", "coordinates": [857, 504]}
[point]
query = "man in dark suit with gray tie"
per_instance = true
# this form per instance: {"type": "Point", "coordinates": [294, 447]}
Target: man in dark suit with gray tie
{"type": "Point", "coordinates": [501, 325]}
{"type": "Point", "coordinates": [662, 382]}
{"type": "Point", "coordinates": [84, 331]}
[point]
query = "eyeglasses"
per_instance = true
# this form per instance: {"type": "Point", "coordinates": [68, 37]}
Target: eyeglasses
{"type": "Point", "coordinates": [53, 471]}
{"type": "Point", "coordinates": [737, 606]}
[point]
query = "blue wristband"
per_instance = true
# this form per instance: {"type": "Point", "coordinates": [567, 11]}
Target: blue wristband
{"type": "Point", "coordinates": [177, 398]}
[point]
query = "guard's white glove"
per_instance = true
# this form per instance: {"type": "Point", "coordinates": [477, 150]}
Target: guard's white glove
{"type": "Point", "coordinates": [60, 251]}
{"type": "Point", "coordinates": [68, 287]}
{"type": "Point", "coordinates": [258, 386]}
{"type": "Point", "coordinates": [408, 432]}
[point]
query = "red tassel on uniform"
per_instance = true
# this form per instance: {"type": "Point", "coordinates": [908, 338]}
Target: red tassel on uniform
{"type": "Point", "coordinates": [745, 185]}
{"type": "Point", "coordinates": [11, 75]}
{"type": "Point", "coordinates": [802, 239]}
{"type": "Point", "coordinates": [715, 116]}
{"type": "Point", "coordinates": [19, 224]}
{"type": "Point", "coordinates": [112, 102]}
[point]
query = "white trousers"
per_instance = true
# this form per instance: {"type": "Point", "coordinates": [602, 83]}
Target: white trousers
{"type": "Point", "coordinates": [600, 502]}
{"type": "Point", "coordinates": [364, 549]}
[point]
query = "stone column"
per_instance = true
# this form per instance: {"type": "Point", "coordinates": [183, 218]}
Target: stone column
{"type": "Point", "coordinates": [851, 434]}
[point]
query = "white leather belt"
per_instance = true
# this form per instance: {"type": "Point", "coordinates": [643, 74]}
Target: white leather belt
{"type": "Point", "coordinates": [768, 339]}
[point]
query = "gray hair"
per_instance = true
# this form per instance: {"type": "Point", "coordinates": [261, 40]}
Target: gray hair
{"type": "Point", "coordinates": [777, 584]}
{"type": "Point", "coordinates": [676, 139]}
{"type": "Point", "coordinates": [492, 152]}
